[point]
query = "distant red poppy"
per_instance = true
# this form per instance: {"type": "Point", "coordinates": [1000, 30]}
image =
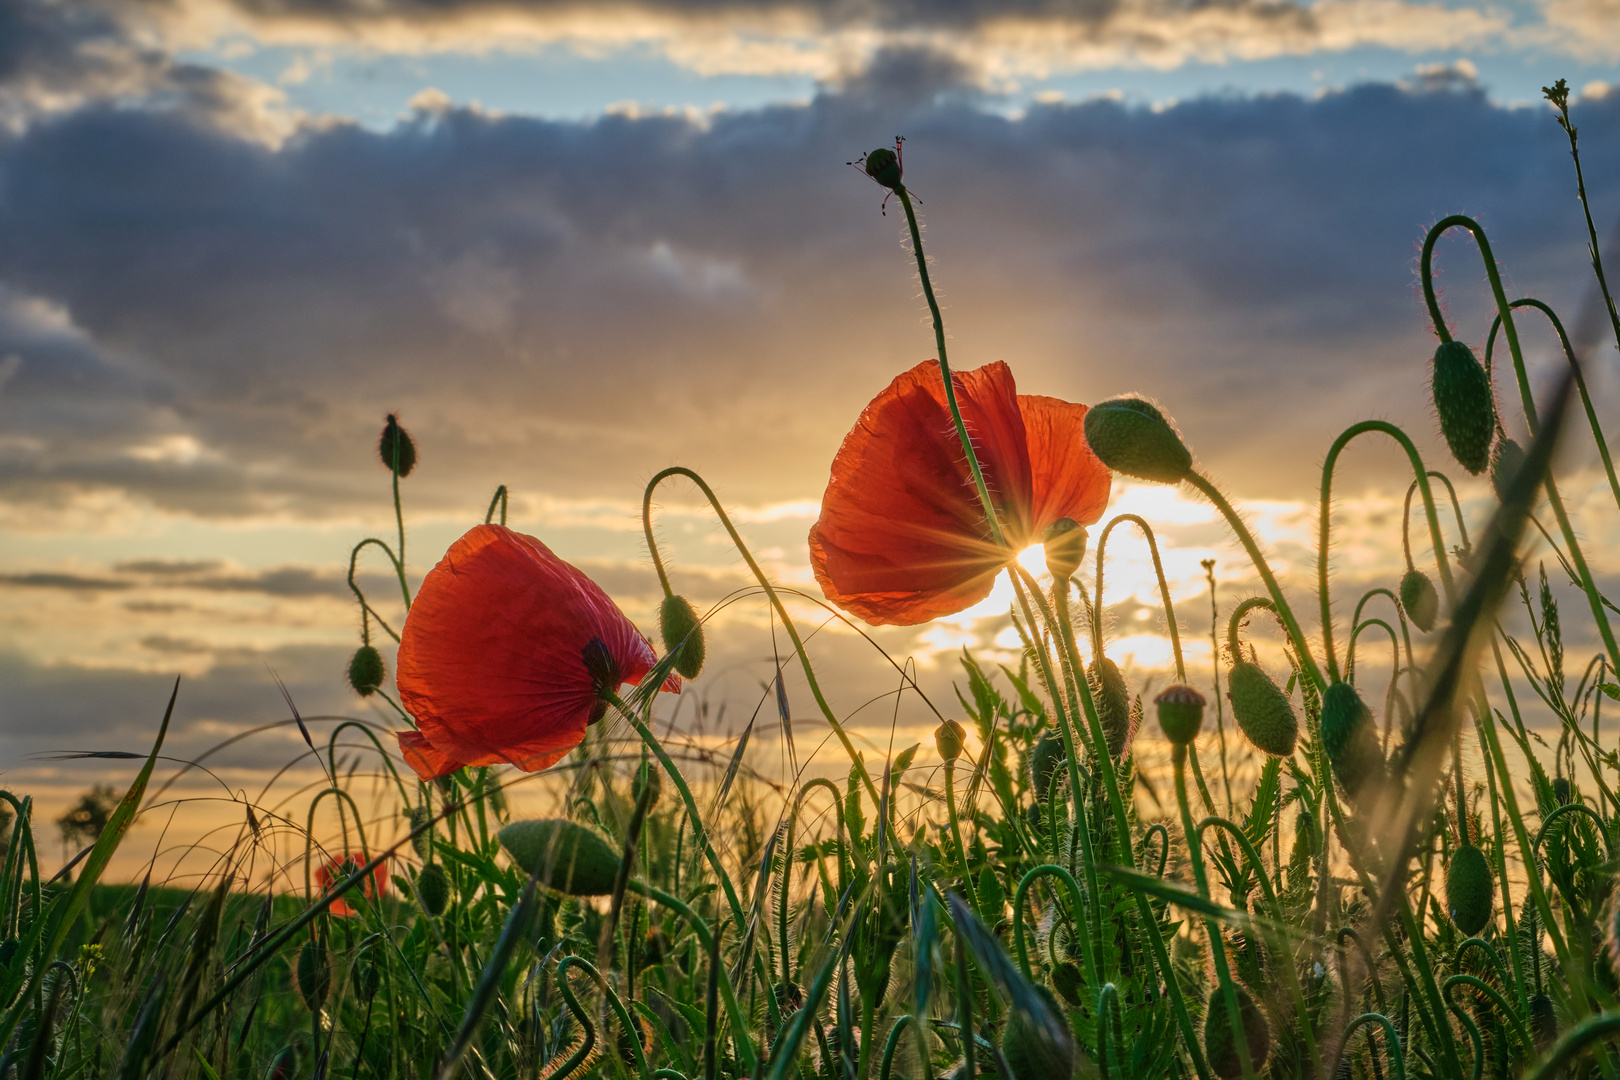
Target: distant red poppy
{"type": "Point", "coordinates": [339, 869]}
{"type": "Point", "coordinates": [902, 536]}
{"type": "Point", "coordinates": [504, 653]}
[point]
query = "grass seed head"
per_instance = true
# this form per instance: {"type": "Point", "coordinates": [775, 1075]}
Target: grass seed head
{"type": "Point", "coordinates": [1181, 713]}
{"type": "Point", "coordinates": [1219, 1047]}
{"type": "Point", "coordinates": [1261, 709]}
{"type": "Point", "coordinates": [366, 670]}
{"type": "Point", "coordinates": [565, 855]}
{"type": "Point", "coordinates": [396, 448]}
{"type": "Point", "coordinates": [1419, 600]}
{"type": "Point", "coordinates": [1133, 437]}
{"type": "Point", "coordinates": [1465, 405]}
{"type": "Point", "coordinates": [678, 624]}
{"type": "Point", "coordinates": [1470, 891]}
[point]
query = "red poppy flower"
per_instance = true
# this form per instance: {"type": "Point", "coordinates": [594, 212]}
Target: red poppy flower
{"type": "Point", "coordinates": [902, 536]}
{"type": "Point", "coordinates": [505, 653]}
{"type": "Point", "coordinates": [340, 869]}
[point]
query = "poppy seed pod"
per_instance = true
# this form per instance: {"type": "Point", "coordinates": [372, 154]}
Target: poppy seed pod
{"type": "Point", "coordinates": [1506, 462]}
{"type": "Point", "coordinates": [1465, 405]}
{"type": "Point", "coordinates": [395, 447]}
{"type": "Point", "coordinates": [1113, 699]}
{"type": "Point", "coordinates": [1261, 709]}
{"type": "Point", "coordinates": [565, 855]}
{"type": "Point", "coordinates": [1419, 600]}
{"type": "Point", "coordinates": [683, 634]}
{"type": "Point", "coordinates": [1064, 543]}
{"type": "Point", "coordinates": [1219, 1047]}
{"type": "Point", "coordinates": [949, 739]}
{"type": "Point", "coordinates": [314, 974]}
{"type": "Point", "coordinates": [433, 886]}
{"type": "Point", "coordinates": [1350, 741]}
{"type": "Point", "coordinates": [1469, 890]}
{"type": "Point", "coordinates": [1133, 437]}
{"type": "Point", "coordinates": [883, 165]}
{"type": "Point", "coordinates": [1038, 1048]}
{"type": "Point", "coordinates": [366, 670]}
{"type": "Point", "coordinates": [1045, 758]}
{"type": "Point", "coordinates": [1181, 713]}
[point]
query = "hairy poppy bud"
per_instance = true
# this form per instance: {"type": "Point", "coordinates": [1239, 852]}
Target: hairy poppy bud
{"type": "Point", "coordinates": [1045, 759]}
{"type": "Point", "coordinates": [314, 973]}
{"type": "Point", "coordinates": [683, 635]}
{"type": "Point", "coordinates": [649, 774]}
{"type": "Point", "coordinates": [1133, 437]}
{"type": "Point", "coordinates": [1261, 709]}
{"type": "Point", "coordinates": [565, 855]}
{"type": "Point", "coordinates": [366, 670]}
{"type": "Point", "coordinates": [949, 738]}
{"type": "Point", "coordinates": [1113, 699]}
{"type": "Point", "coordinates": [883, 165]}
{"type": "Point", "coordinates": [1465, 405]}
{"type": "Point", "coordinates": [433, 886]}
{"type": "Point", "coordinates": [1065, 545]}
{"type": "Point", "coordinates": [1070, 983]}
{"type": "Point", "coordinates": [1219, 1047]}
{"type": "Point", "coordinates": [1419, 600]}
{"type": "Point", "coordinates": [1561, 791]}
{"type": "Point", "coordinates": [1181, 713]}
{"type": "Point", "coordinates": [1039, 1049]}
{"type": "Point", "coordinates": [1505, 465]}
{"type": "Point", "coordinates": [368, 971]}
{"type": "Point", "coordinates": [1469, 889]}
{"type": "Point", "coordinates": [396, 448]}
{"type": "Point", "coordinates": [1350, 742]}
{"type": "Point", "coordinates": [655, 948]}
{"type": "Point", "coordinates": [1543, 1021]}
{"type": "Point", "coordinates": [418, 816]}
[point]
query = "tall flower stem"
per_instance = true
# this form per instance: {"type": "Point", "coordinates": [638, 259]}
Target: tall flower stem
{"type": "Point", "coordinates": [1164, 587]}
{"type": "Point", "coordinates": [945, 368]}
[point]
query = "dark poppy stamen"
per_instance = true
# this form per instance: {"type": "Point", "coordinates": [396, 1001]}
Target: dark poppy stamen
{"type": "Point", "coordinates": [602, 666]}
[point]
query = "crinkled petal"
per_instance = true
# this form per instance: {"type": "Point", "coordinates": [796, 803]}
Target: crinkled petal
{"type": "Point", "coordinates": [1068, 479]}
{"type": "Point", "coordinates": [902, 537]}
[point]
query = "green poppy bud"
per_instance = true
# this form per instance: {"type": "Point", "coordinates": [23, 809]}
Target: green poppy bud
{"type": "Point", "coordinates": [648, 774]}
{"type": "Point", "coordinates": [368, 971]}
{"type": "Point", "coordinates": [1113, 700]}
{"type": "Point", "coordinates": [1045, 760]}
{"type": "Point", "coordinates": [1470, 891]}
{"type": "Point", "coordinates": [1543, 1021]}
{"type": "Point", "coordinates": [1351, 743]}
{"type": "Point", "coordinates": [949, 739]}
{"type": "Point", "coordinates": [1070, 983]}
{"type": "Point", "coordinates": [1465, 405]}
{"type": "Point", "coordinates": [397, 450]}
{"type": "Point", "coordinates": [1561, 791]}
{"type": "Point", "coordinates": [1133, 437]}
{"type": "Point", "coordinates": [417, 816]}
{"type": "Point", "coordinates": [1261, 709]}
{"type": "Point", "coordinates": [883, 165]}
{"type": "Point", "coordinates": [1039, 1049]}
{"type": "Point", "coordinates": [1505, 465]}
{"type": "Point", "coordinates": [1181, 713]}
{"type": "Point", "coordinates": [366, 671]}
{"type": "Point", "coordinates": [682, 631]}
{"type": "Point", "coordinates": [565, 855]}
{"type": "Point", "coordinates": [1219, 1047]}
{"type": "Point", "coordinates": [1419, 600]}
{"type": "Point", "coordinates": [1065, 545]}
{"type": "Point", "coordinates": [433, 886]}
{"type": "Point", "coordinates": [655, 948]}
{"type": "Point", "coordinates": [314, 974]}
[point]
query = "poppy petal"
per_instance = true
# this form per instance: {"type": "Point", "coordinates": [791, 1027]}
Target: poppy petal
{"type": "Point", "coordinates": [1069, 481]}
{"type": "Point", "coordinates": [902, 537]}
{"type": "Point", "coordinates": [492, 661]}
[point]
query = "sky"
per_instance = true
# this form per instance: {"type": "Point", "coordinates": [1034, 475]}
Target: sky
{"type": "Point", "coordinates": [573, 244]}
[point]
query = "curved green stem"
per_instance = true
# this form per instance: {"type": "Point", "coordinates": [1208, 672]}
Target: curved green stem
{"type": "Point", "coordinates": [1481, 945]}
{"type": "Point", "coordinates": [787, 876]}
{"type": "Point", "coordinates": [309, 831]}
{"type": "Point", "coordinates": [1366, 958]}
{"type": "Point", "coordinates": [1164, 588]}
{"type": "Point", "coordinates": [365, 605]}
{"type": "Point", "coordinates": [582, 1052]}
{"type": "Point", "coordinates": [1392, 1040]}
{"type": "Point", "coordinates": [1020, 946]}
{"type": "Point", "coordinates": [388, 762]}
{"type": "Point", "coordinates": [1107, 1009]}
{"type": "Point", "coordinates": [1573, 1041]}
{"type": "Point", "coordinates": [1575, 808]}
{"type": "Point", "coordinates": [1508, 1013]}
{"type": "Point", "coordinates": [1158, 828]}
{"type": "Point", "coordinates": [625, 1023]}
{"type": "Point", "coordinates": [500, 499]}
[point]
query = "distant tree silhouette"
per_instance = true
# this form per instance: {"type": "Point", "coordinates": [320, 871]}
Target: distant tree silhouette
{"type": "Point", "coordinates": [84, 824]}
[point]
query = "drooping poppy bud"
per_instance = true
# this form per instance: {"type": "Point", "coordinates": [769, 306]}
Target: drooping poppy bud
{"type": "Point", "coordinates": [1261, 709]}
{"type": "Point", "coordinates": [883, 165]}
{"type": "Point", "coordinates": [1181, 713]}
{"type": "Point", "coordinates": [314, 973]}
{"type": "Point", "coordinates": [1543, 1021]}
{"type": "Point", "coordinates": [1470, 892]}
{"type": "Point", "coordinates": [1465, 405]}
{"type": "Point", "coordinates": [1220, 1049]}
{"type": "Point", "coordinates": [1045, 759]}
{"type": "Point", "coordinates": [1065, 546]}
{"type": "Point", "coordinates": [1350, 741]}
{"type": "Point", "coordinates": [418, 816]}
{"type": "Point", "coordinates": [1070, 982]}
{"type": "Point", "coordinates": [1561, 791]}
{"type": "Point", "coordinates": [397, 450]}
{"type": "Point", "coordinates": [1133, 437]}
{"type": "Point", "coordinates": [1506, 462]}
{"type": "Point", "coordinates": [683, 634]}
{"type": "Point", "coordinates": [433, 886]}
{"type": "Point", "coordinates": [366, 671]}
{"type": "Point", "coordinates": [565, 855]}
{"type": "Point", "coordinates": [649, 774]}
{"type": "Point", "coordinates": [368, 971]}
{"type": "Point", "coordinates": [1039, 1048]}
{"type": "Point", "coordinates": [949, 739]}
{"type": "Point", "coordinates": [1113, 699]}
{"type": "Point", "coordinates": [1419, 600]}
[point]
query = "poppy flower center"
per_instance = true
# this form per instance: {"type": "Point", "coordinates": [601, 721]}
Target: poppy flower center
{"type": "Point", "coordinates": [603, 668]}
